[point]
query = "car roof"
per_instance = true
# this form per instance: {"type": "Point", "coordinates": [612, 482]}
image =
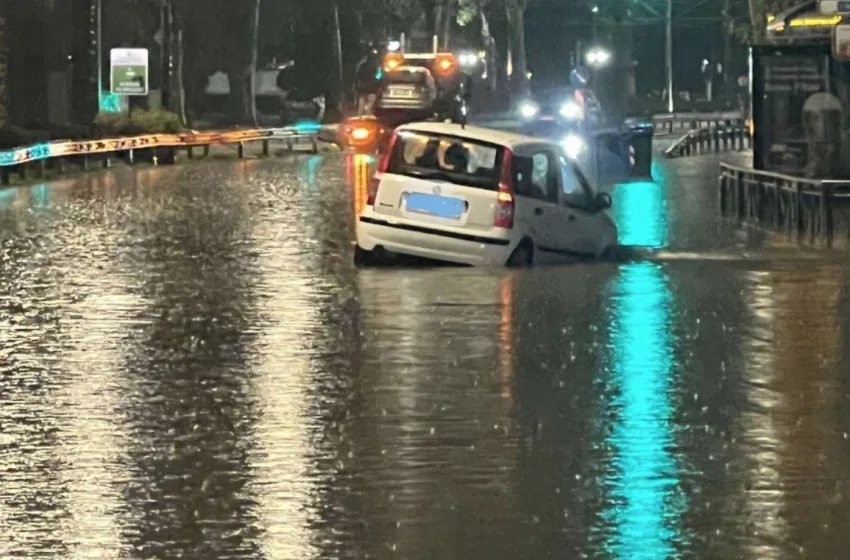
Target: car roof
{"type": "Point", "coordinates": [501, 137]}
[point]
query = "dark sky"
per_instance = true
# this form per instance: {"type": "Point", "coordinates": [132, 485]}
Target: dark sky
{"type": "Point", "coordinates": [554, 26]}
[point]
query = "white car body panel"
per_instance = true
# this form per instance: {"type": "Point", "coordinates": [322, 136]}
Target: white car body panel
{"type": "Point", "coordinates": [557, 231]}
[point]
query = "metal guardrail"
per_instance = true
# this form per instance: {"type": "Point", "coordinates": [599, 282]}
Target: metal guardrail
{"type": "Point", "coordinates": [161, 146]}
{"type": "Point", "coordinates": [711, 140]}
{"type": "Point", "coordinates": [796, 205]}
{"type": "Point", "coordinates": [675, 123]}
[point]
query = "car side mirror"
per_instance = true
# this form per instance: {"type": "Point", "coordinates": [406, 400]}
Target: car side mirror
{"type": "Point", "coordinates": [603, 201]}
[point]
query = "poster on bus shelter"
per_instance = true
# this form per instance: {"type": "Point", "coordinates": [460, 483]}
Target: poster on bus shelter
{"type": "Point", "coordinates": [800, 113]}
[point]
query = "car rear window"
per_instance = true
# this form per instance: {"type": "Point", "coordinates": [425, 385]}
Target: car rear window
{"type": "Point", "coordinates": [462, 161]}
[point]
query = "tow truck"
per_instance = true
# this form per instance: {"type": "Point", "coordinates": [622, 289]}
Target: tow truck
{"type": "Point", "coordinates": [415, 86]}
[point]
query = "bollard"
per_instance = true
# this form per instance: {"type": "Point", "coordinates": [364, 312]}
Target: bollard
{"type": "Point", "coordinates": [265, 148]}
{"type": "Point", "coordinates": [42, 168]}
{"type": "Point", "coordinates": [60, 165]}
{"type": "Point", "coordinates": [798, 209]}
{"type": "Point", "coordinates": [826, 225]}
{"type": "Point", "coordinates": [315, 144]}
{"type": "Point", "coordinates": [4, 176]}
{"type": "Point", "coordinates": [240, 150]}
{"type": "Point", "coordinates": [206, 150]}
{"type": "Point", "coordinates": [22, 171]}
{"type": "Point", "coordinates": [106, 163]}
{"type": "Point", "coordinates": [131, 157]}
{"type": "Point", "coordinates": [190, 153]}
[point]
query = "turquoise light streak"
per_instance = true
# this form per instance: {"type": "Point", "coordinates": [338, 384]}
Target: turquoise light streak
{"type": "Point", "coordinates": [307, 127]}
{"type": "Point", "coordinates": [40, 196]}
{"type": "Point", "coordinates": [308, 171]}
{"type": "Point", "coordinates": [110, 103]}
{"type": "Point", "coordinates": [643, 490]}
{"type": "Point", "coordinates": [640, 210]}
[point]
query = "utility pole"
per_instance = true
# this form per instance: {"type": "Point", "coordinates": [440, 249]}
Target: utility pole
{"type": "Point", "coordinates": [668, 56]}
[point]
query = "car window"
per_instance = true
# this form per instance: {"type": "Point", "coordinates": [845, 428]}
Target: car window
{"type": "Point", "coordinates": [573, 191]}
{"type": "Point", "coordinates": [537, 177]}
{"type": "Point", "coordinates": [523, 171]}
{"type": "Point", "coordinates": [460, 160]}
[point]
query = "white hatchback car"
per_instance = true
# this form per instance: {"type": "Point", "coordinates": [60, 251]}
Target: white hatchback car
{"type": "Point", "coordinates": [477, 196]}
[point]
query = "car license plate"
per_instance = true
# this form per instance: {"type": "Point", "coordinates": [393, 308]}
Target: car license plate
{"type": "Point", "coordinates": [402, 92]}
{"type": "Point", "coordinates": [547, 118]}
{"type": "Point", "coordinates": [441, 206]}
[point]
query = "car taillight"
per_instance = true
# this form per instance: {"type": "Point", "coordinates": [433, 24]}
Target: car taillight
{"type": "Point", "coordinates": [360, 134]}
{"type": "Point", "coordinates": [382, 168]}
{"type": "Point", "coordinates": [505, 200]}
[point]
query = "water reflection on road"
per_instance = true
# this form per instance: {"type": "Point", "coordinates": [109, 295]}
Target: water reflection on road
{"type": "Point", "coordinates": [190, 365]}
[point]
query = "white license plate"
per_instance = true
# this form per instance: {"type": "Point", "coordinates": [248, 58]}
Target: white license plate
{"type": "Point", "coordinates": [402, 92]}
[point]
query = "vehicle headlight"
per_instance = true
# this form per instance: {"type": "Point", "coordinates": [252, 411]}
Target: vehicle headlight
{"type": "Point", "coordinates": [573, 146]}
{"type": "Point", "coordinates": [528, 110]}
{"type": "Point", "coordinates": [571, 110]}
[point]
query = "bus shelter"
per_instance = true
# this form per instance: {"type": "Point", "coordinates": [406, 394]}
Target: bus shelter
{"type": "Point", "coordinates": [801, 97]}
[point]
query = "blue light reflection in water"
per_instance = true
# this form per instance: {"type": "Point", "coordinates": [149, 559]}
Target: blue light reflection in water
{"type": "Point", "coordinates": [645, 501]}
{"type": "Point", "coordinates": [308, 170]}
{"type": "Point", "coordinates": [640, 211]}
{"type": "Point", "coordinates": [40, 196]}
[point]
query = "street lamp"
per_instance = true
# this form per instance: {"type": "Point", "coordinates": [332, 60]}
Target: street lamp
{"type": "Point", "coordinates": [597, 57]}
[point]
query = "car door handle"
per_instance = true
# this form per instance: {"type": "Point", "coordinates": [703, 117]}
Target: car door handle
{"type": "Point", "coordinates": [538, 211]}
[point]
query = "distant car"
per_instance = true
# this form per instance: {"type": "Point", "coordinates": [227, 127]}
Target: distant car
{"type": "Point", "coordinates": [478, 196]}
{"type": "Point", "coordinates": [407, 93]}
{"type": "Point", "coordinates": [557, 109]}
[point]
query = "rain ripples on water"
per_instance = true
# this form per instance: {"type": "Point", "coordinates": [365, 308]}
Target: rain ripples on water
{"type": "Point", "coordinates": [191, 366]}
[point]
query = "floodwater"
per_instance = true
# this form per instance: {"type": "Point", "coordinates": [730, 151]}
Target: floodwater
{"type": "Point", "coordinates": [191, 367]}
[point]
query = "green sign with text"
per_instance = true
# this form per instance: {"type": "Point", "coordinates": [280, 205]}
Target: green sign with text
{"type": "Point", "coordinates": [128, 71]}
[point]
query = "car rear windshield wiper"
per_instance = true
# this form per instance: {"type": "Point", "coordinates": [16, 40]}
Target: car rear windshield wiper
{"type": "Point", "coordinates": [430, 174]}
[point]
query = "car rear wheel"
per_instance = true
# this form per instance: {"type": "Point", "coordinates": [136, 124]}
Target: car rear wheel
{"type": "Point", "coordinates": [362, 257]}
{"type": "Point", "coordinates": [523, 256]}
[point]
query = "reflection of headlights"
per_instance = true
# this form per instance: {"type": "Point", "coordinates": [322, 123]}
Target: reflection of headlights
{"type": "Point", "coordinates": [571, 110]}
{"type": "Point", "coordinates": [573, 146]}
{"type": "Point", "coordinates": [528, 110]}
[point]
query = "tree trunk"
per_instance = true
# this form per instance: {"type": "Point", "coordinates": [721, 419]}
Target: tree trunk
{"type": "Point", "coordinates": [498, 30]}
{"type": "Point", "coordinates": [84, 96]}
{"type": "Point", "coordinates": [432, 10]}
{"type": "Point", "coordinates": [181, 82]}
{"type": "Point", "coordinates": [335, 101]}
{"type": "Point", "coordinates": [449, 13]}
{"type": "Point", "coordinates": [252, 78]}
{"type": "Point", "coordinates": [4, 64]}
{"type": "Point", "coordinates": [758, 20]}
{"type": "Point", "coordinates": [516, 28]}
{"type": "Point", "coordinates": [167, 17]}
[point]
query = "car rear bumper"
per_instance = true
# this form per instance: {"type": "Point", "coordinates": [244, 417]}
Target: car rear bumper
{"type": "Point", "coordinates": [430, 243]}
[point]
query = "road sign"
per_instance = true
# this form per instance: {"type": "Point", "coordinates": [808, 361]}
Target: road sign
{"type": "Point", "coordinates": [841, 41]}
{"type": "Point", "coordinates": [832, 7]}
{"type": "Point", "coordinates": [128, 71]}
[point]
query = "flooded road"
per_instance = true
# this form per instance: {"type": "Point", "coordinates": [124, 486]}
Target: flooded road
{"type": "Point", "coordinates": [190, 366]}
